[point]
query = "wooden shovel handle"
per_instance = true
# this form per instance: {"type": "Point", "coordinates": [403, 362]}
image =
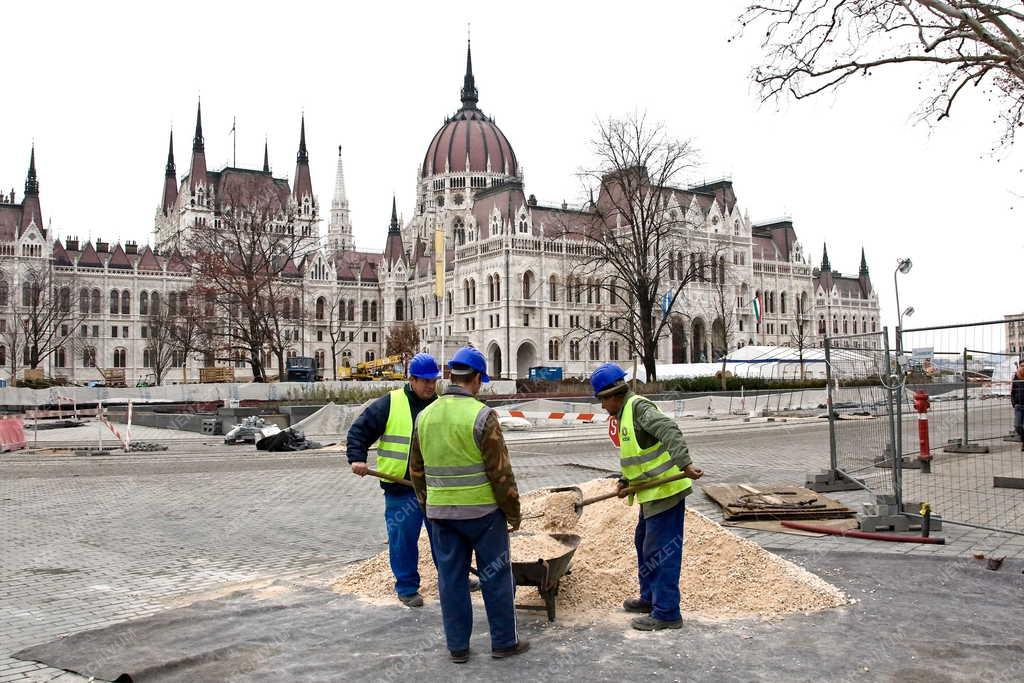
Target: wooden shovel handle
{"type": "Point", "coordinates": [633, 489]}
{"type": "Point", "coordinates": [388, 477]}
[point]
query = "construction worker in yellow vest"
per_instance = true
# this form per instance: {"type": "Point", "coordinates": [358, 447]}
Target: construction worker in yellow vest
{"type": "Point", "coordinates": [463, 477]}
{"type": "Point", "coordinates": [651, 447]}
{"type": "Point", "coordinates": [388, 421]}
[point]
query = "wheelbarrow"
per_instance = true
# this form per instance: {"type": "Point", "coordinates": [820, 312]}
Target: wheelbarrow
{"type": "Point", "coordinates": [545, 573]}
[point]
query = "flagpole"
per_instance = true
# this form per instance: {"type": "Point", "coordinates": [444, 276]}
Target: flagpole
{"type": "Point", "coordinates": [234, 142]}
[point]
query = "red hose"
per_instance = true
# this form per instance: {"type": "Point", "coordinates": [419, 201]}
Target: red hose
{"type": "Point", "coordinates": [870, 535]}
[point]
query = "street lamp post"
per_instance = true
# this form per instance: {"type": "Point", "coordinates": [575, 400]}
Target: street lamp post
{"type": "Point", "coordinates": [903, 266]}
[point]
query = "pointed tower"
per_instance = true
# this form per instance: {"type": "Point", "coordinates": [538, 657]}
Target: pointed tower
{"type": "Point", "coordinates": [170, 180]}
{"type": "Point", "coordinates": [303, 187]}
{"type": "Point", "coordinates": [266, 156]}
{"type": "Point", "coordinates": [30, 211]}
{"type": "Point", "coordinates": [826, 267]}
{"type": "Point", "coordinates": [469, 93]}
{"type": "Point", "coordinates": [197, 171]}
{"type": "Point", "coordinates": [863, 264]}
{"type": "Point", "coordinates": [863, 277]}
{"type": "Point", "coordinates": [394, 251]}
{"type": "Point", "coordinates": [339, 233]}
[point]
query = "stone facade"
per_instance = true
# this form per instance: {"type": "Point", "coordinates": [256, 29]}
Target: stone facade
{"type": "Point", "coordinates": [509, 283]}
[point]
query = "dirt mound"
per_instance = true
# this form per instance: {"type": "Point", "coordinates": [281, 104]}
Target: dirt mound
{"type": "Point", "coordinates": [724, 576]}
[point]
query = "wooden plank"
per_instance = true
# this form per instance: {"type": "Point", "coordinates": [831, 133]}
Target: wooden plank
{"type": "Point", "coordinates": [1008, 482]}
{"type": "Point", "coordinates": [773, 501]}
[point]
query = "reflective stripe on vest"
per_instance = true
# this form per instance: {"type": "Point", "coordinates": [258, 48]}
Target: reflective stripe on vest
{"type": "Point", "coordinates": [642, 464]}
{"type": "Point", "coordinates": [393, 446]}
{"type": "Point", "coordinates": [452, 461]}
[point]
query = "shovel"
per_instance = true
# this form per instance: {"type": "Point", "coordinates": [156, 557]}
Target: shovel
{"type": "Point", "coordinates": [629, 490]}
{"type": "Point", "coordinates": [388, 477]}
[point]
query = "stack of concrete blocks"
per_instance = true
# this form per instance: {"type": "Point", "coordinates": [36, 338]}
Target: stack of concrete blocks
{"type": "Point", "coordinates": [885, 514]}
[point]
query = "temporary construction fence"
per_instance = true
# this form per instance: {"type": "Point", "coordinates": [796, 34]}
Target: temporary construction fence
{"type": "Point", "coordinates": [972, 466]}
{"type": "Point", "coordinates": [940, 398]}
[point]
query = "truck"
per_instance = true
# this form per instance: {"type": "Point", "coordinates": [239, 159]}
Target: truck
{"type": "Point", "coordinates": [302, 369]}
{"type": "Point", "coordinates": [387, 368]}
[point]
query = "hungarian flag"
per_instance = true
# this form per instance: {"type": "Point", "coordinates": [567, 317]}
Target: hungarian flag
{"type": "Point", "coordinates": [756, 303]}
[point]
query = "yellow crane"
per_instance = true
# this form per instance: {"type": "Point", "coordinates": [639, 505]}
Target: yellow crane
{"type": "Point", "coordinates": [387, 368]}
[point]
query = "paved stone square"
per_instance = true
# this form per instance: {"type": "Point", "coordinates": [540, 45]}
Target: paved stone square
{"type": "Point", "coordinates": [92, 541]}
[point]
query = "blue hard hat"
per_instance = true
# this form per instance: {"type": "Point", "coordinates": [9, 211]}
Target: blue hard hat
{"type": "Point", "coordinates": [424, 366]}
{"type": "Point", "coordinates": [468, 357]}
{"type": "Point", "coordinates": [605, 376]}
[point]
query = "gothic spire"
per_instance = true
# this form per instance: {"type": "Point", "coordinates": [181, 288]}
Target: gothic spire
{"type": "Point", "coordinates": [31, 181]}
{"type": "Point", "coordinates": [169, 169]}
{"type": "Point", "coordinates": [826, 267]}
{"type": "Point", "coordinates": [469, 92]}
{"type": "Point", "coordinates": [197, 140]}
{"type": "Point", "coordinates": [266, 156]}
{"type": "Point", "coordinates": [863, 264]}
{"type": "Point", "coordinates": [303, 156]}
{"type": "Point", "coordinates": [394, 217]}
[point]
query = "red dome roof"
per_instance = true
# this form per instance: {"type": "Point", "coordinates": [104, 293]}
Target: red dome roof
{"type": "Point", "coordinates": [470, 132]}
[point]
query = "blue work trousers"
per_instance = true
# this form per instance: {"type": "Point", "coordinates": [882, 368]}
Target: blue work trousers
{"type": "Point", "coordinates": [454, 541]}
{"type": "Point", "coordinates": [404, 519]}
{"type": "Point", "coordinates": [1018, 420]}
{"type": "Point", "coordinates": [659, 553]}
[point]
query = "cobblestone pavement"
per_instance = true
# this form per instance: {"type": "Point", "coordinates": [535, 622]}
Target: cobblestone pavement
{"type": "Point", "coordinates": [91, 541]}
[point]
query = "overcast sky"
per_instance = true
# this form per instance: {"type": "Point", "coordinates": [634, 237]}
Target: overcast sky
{"type": "Point", "coordinates": [98, 86]}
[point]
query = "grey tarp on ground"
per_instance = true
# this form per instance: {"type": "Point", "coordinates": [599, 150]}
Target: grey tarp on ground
{"type": "Point", "coordinates": [916, 619]}
{"type": "Point", "coordinates": [331, 420]}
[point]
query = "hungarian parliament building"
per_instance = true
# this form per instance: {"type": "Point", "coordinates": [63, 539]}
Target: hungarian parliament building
{"type": "Point", "coordinates": [510, 288]}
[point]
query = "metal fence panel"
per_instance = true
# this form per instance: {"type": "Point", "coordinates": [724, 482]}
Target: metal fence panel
{"type": "Point", "coordinates": [966, 371]}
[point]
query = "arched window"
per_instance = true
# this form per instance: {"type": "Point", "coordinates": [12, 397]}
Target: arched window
{"type": "Point", "coordinates": [172, 303]}
{"type": "Point", "coordinates": [450, 302]}
{"type": "Point", "coordinates": [423, 307]}
{"type": "Point", "coordinates": [552, 349]}
{"type": "Point", "coordinates": [590, 293]}
{"type": "Point", "coordinates": [144, 306]}
{"type": "Point", "coordinates": [612, 294]}
{"type": "Point", "coordinates": [472, 292]}
{"type": "Point", "coordinates": [352, 309]}
{"type": "Point", "coordinates": [147, 358]}
{"type": "Point", "coordinates": [846, 325]}
{"type": "Point", "coordinates": [114, 297]}
{"type": "Point", "coordinates": [319, 357]}
{"type": "Point", "coordinates": [373, 311]}
{"type": "Point", "coordinates": [5, 296]}
{"type": "Point", "coordinates": [578, 294]}
{"type": "Point", "coordinates": [497, 287]}
{"type": "Point", "coordinates": [286, 309]}
{"type": "Point", "coordinates": [366, 310]}
{"type": "Point", "coordinates": [465, 292]}
{"type": "Point", "coordinates": [671, 266]}
{"type": "Point", "coordinates": [120, 356]}
{"type": "Point", "coordinates": [714, 271]}
{"type": "Point", "coordinates": [855, 324]}
{"type": "Point", "coordinates": [782, 303]}
{"type": "Point", "coordinates": [459, 232]}
{"type": "Point", "coordinates": [490, 288]}
{"type": "Point", "coordinates": [83, 298]}
{"type": "Point", "coordinates": [3, 355]}
{"type": "Point", "coordinates": [65, 300]}
{"type": "Point", "coordinates": [721, 270]}
{"type": "Point", "coordinates": [320, 302]}
{"type": "Point", "coordinates": [89, 357]}
{"type": "Point", "coordinates": [399, 310]}
{"type": "Point", "coordinates": [154, 303]}
{"type": "Point", "coordinates": [553, 288]}
{"type": "Point", "coordinates": [821, 325]}
{"type": "Point", "coordinates": [126, 302]}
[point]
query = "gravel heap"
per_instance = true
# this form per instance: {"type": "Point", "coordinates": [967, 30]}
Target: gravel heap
{"type": "Point", "coordinates": [724, 576]}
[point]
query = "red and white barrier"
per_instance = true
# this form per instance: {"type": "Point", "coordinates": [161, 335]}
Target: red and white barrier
{"type": "Point", "coordinates": [531, 415]}
{"type": "Point", "coordinates": [12, 434]}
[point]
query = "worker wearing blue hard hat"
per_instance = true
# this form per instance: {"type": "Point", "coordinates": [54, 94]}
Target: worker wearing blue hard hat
{"type": "Point", "coordinates": [463, 477]}
{"type": "Point", "coordinates": [651, 448]}
{"type": "Point", "coordinates": [389, 421]}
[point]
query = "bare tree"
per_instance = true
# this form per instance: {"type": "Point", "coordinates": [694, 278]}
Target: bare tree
{"type": "Point", "coordinates": [722, 311]}
{"type": "Point", "coordinates": [40, 318]}
{"type": "Point", "coordinates": [160, 341]}
{"type": "Point", "coordinates": [341, 336]}
{"type": "Point", "coordinates": [635, 246]}
{"type": "Point", "coordinates": [403, 340]}
{"type": "Point", "coordinates": [802, 333]}
{"type": "Point", "coordinates": [189, 328]}
{"type": "Point", "coordinates": [244, 257]}
{"type": "Point", "coordinates": [814, 47]}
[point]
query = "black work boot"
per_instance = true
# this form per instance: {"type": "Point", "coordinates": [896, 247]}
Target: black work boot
{"type": "Point", "coordinates": [517, 649]}
{"type": "Point", "coordinates": [649, 623]}
{"type": "Point", "coordinates": [637, 606]}
{"type": "Point", "coordinates": [414, 600]}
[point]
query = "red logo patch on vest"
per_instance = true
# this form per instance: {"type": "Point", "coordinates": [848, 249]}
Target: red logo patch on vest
{"type": "Point", "coordinates": [613, 430]}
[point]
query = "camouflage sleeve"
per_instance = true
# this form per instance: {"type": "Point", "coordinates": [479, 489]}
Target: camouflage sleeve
{"type": "Point", "coordinates": [419, 481]}
{"type": "Point", "coordinates": [664, 429]}
{"type": "Point", "coordinates": [499, 468]}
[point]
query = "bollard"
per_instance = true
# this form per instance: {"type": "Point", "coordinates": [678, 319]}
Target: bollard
{"type": "Point", "coordinates": [921, 405]}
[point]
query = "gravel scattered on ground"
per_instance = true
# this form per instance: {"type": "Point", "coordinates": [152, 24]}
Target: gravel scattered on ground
{"type": "Point", "coordinates": [724, 576]}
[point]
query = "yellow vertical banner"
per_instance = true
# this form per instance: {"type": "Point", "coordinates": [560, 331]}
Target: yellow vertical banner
{"type": "Point", "coordinates": [439, 263]}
